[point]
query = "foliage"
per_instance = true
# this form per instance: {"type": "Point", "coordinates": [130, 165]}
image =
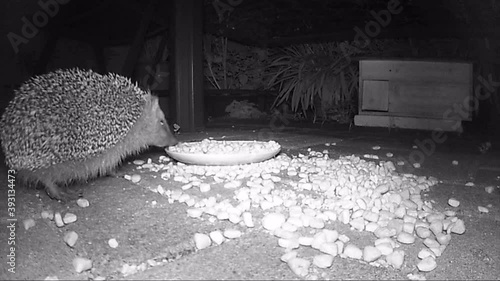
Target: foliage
{"type": "Point", "coordinates": [308, 71]}
{"type": "Point", "coordinates": [322, 77]}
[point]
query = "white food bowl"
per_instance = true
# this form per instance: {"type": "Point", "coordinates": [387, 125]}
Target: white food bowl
{"type": "Point", "coordinates": [225, 159]}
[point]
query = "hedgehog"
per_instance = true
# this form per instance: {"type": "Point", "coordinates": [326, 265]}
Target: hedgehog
{"type": "Point", "coordinates": [74, 125]}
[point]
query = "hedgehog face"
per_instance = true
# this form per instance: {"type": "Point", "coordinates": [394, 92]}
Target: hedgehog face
{"type": "Point", "coordinates": [162, 135]}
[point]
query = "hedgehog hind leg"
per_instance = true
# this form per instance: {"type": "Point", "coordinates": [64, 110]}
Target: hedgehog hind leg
{"type": "Point", "coordinates": [44, 179]}
{"type": "Point", "coordinates": [38, 180]}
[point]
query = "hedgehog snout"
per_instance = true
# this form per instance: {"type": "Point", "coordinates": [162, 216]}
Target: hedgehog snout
{"type": "Point", "coordinates": [171, 139]}
{"type": "Point", "coordinates": [168, 138]}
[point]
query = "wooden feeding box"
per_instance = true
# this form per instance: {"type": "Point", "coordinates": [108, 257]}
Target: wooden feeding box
{"type": "Point", "coordinates": [414, 94]}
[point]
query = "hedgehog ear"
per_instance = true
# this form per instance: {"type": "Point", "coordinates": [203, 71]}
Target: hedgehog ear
{"type": "Point", "coordinates": [155, 103]}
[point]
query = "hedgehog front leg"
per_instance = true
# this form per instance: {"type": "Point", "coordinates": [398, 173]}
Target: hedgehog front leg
{"type": "Point", "coordinates": [55, 192]}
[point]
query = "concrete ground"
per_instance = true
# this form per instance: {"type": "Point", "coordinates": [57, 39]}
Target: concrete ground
{"type": "Point", "coordinates": [158, 234]}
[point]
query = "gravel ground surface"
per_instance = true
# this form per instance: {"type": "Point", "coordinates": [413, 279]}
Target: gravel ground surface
{"type": "Point", "coordinates": [155, 234]}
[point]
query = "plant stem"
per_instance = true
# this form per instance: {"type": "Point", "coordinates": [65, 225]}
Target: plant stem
{"type": "Point", "coordinates": [224, 59]}
{"type": "Point", "coordinates": [214, 82]}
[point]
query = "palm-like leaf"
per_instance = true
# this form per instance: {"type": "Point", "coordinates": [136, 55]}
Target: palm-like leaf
{"type": "Point", "coordinates": [304, 72]}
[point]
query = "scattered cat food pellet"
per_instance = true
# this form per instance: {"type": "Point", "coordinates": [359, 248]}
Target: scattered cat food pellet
{"type": "Point", "coordinates": [70, 238]}
{"type": "Point", "coordinates": [135, 178]}
{"type": "Point", "coordinates": [58, 219]}
{"type": "Point", "coordinates": [232, 184]}
{"type": "Point", "coordinates": [388, 154]}
{"type": "Point", "coordinates": [28, 223]}
{"type": "Point", "coordinates": [416, 277]}
{"type": "Point", "coordinates": [81, 264]}
{"type": "Point", "coordinates": [288, 256]}
{"type": "Point", "coordinates": [273, 221]}
{"type": "Point", "coordinates": [202, 241]}
{"type": "Point", "coordinates": [416, 165]}
{"type": "Point", "coordinates": [47, 215]}
{"type": "Point", "coordinates": [453, 202]}
{"type": "Point", "coordinates": [443, 239]}
{"type": "Point", "coordinates": [385, 248]}
{"type": "Point", "coordinates": [329, 248]}
{"type": "Point", "coordinates": [204, 187]}
{"type": "Point", "coordinates": [69, 218]}
{"type": "Point", "coordinates": [323, 261]}
{"type": "Point", "coordinates": [396, 258]}
{"type": "Point", "coordinates": [457, 227]}
{"type": "Point", "coordinates": [405, 238]}
{"type": "Point", "coordinates": [288, 243]}
{"type": "Point", "coordinates": [427, 264]}
{"type": "Point", "coordinates": [299, 266]}
{"type": "Point", "coordinates": [82, 202]}
{"type": "Point", "coordinates": [424, 253]}
{"type": "Point", "coordinates": [482, 209]}
{"type": "Point", "coordinates": [376, 147]}
{"type": "Point", "coordinates": [450, 213]}
{"type": "Point", "coordinates": [247, 219]}
{"type": "Point", "coordinates": [366, 195]}
{"type": "Point", "coordinates": [431, 243]}
{"type": "Point", "coordinates": [113, 243]}
{"type": "Point", "coordinates": [454, 162]}
{"type": "Point", "coordinates": [232, 233]}
{"type": "Point", "coordinates": [353, 252]}
{"type": "Point", "coordinates": [371, 253]}
{"type": "Point", "coordinates": [414, 147]}
{"type": "Point", "coordinates": [128, 269]}
{"type": "Point", "coordinates": [305, 241]}
{"type": "Point", "coordinates": [138, 162]}
{"type": "Point", "coordinates": [469, 184]}
{"type": "Point", "coordinates": [436, 227]}
{"type": "Point", "coordinates": [217, 237]}
{"type": "Point", "coordinates": [194, 212]}
{"type": "Point", "coordinates": [489, 189]}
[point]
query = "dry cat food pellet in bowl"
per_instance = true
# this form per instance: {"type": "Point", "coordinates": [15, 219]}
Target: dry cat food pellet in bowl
{"type": "Point", "coordinates": [224, 153]}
